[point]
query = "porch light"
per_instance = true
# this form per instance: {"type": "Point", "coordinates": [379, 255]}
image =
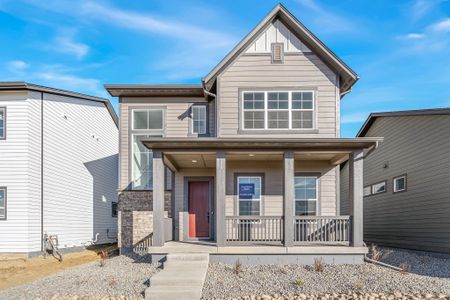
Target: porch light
{"type": "Point", "coordinates": [251, 155]}
{"type": "Point", "coordinates": [194, 161]}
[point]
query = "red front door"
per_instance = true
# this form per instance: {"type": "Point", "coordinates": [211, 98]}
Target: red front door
{"type": "Point", "coordinates": [198, 209]}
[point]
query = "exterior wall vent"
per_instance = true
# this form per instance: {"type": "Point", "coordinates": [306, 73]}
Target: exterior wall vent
{"type": "Point", "coordinates": [277, 53]}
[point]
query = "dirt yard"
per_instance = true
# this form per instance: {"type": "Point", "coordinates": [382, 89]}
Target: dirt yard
{"type": "Point", "coordinates": [16, 271]}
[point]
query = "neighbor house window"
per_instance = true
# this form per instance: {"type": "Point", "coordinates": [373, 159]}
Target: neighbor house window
{"type": "Point", "coordinates": [146, 123]}
{"type": "Point", "coordinates": [399, 184]}
{"type": "Point", "coordinates": [306, 195]}
{"type": "Point", "coordinates": [276, 110]}
{"type": "Point", "coordinates": [114, 209]}
{"type": "Point", "coordinates": [379, 188]}
{"type": "Point", "coordinates": [367, 191]}
{"type": "Point", "coordinates": [2, 203]}
{"type": "Point", "coordinates": [199, 119]}
{"type": "Point", "coordinates": [249, 195]}
{"type": "Point", "coordinates": [2, 123]}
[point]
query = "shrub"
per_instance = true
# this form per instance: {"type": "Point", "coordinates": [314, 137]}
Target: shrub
{"type": "Point", "coordinates": [357, 285]}
{"type": "Point", "coordinates": [375, 253]}
{"type": "Point", "coordinates": [103, 257]}
{"type": "Point", "coordinates": [319, 265]}
{"type": "Point", "coordinates": [298, 282]}
{"type": "Point", "coordinates": [237, 267]}
{"type": "Point", "coordinates": [404, 268]}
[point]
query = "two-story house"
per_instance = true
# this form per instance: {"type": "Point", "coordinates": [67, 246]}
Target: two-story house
{"type": "Point", "coordinates": [58, 168]}
{"type": "Point", "coordinates": [248, 158]}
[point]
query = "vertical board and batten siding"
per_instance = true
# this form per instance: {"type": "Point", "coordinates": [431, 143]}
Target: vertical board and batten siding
{"type": "Point", "coordinates": [418, 218]}
{"type": "Point", "coordinates": [80, 170]}
{"type": "Point", "coordinates": [14, 173]}
{"type": "Point", "coordinates": [176, 124]}
{"type": "Point", "coordinates": [297, 71]}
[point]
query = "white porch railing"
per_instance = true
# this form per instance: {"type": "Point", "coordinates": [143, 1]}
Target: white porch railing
{"type": "Point", "coordinates": [254, 230]}
{"type": "Point", "coordinates": [313, 229]}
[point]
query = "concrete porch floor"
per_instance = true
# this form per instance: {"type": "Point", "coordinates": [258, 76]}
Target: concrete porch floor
{"type": "Point", "coordinates": [211, 248]}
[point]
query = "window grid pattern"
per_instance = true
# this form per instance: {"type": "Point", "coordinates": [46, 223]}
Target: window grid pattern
{"type": "Point", "coordinates": [148, 119]}
{"type": "Point", "coordinates": [276, 110]}
{"type": "Point", "coordinates": [199, 119]}
{"type": "Point", "coordinates": [305, 195]}
{"type": "Point", "coordinates": [250, 207]}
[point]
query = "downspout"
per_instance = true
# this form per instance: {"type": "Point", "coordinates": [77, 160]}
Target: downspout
{"type": "Point", "coordinates": [208, 92]}
{"type": "Point", "coordinates": [42, 171]}
{"type": "Point", "coordinates": [216, 104]}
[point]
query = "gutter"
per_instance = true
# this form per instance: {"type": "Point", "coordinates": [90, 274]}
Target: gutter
{"type": "Point", "coordinates": [206, 91]}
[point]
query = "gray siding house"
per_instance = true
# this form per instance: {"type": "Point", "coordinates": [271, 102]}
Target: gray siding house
{"type": "Point", "coordinates": [406, 180]}
{"type": "Point", "coordinates": [244, 164]}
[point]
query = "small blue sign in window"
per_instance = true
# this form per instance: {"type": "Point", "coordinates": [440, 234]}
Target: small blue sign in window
{"type": "Point", "coordinates": [246, 190]}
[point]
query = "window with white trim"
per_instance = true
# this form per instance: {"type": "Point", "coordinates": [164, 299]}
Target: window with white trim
{"type": "Point", "coordinates": [2, 123]}
{"type": "Point", "coordinates": [249, 202]}
{"type": "Point", "coordinates": [399, 184]}
{"type": "Point", "coordinates": [2, 203]}
{"type": "Point", "coordinates": [148, 119]}
{"type": "Point", "coordinates": [275, 110]}
{"type": "Point", "coordinates": [146, 123]}
{"type": "Point", "coordinates": [367, 191]}
{"type": "Point", "coordinates": [305, 195]}
{"type": "Point", "coordinates": [379, 188]}
{"type": "Point", "coordinates": [199, 119]}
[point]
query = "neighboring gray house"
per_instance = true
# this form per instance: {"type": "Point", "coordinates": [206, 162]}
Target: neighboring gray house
{"type": "Point", "coordinates": [247, 159]}
{"type": "Point", "coordinates": [407, 180]}
{"type": "Point", "coordinates": [58, 168]}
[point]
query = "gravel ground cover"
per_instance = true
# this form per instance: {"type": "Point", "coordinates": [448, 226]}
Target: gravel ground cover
{"type": "Point", "coordinates": [121, 277]}
{"type": "Point", "coordinates": [224, 282]}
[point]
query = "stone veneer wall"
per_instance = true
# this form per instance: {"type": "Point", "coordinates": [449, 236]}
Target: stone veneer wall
{"type": "Point", "coordinates": [135, 216]}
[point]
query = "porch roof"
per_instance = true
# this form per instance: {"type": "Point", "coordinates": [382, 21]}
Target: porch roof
{"type": "Point", "coordinates": [259, 144]}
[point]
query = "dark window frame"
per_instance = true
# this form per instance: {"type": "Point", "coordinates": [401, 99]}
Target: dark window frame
{"type": "Point", "coordinates": [406, 183]}
{"type": "Point", "coordinates": [6, 203]}
{"type": "Point", "coordinates": [114, 212]}
{"type": "Point", "coordinates": [4, 122]}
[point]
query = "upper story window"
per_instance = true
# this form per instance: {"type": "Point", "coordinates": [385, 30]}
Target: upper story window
{"type": "Point", "coordinates": [2, 123]}
{"type": "Point", "coordinates": [399, 184]}
{"type": "Point", "coordinates": [199, 119]}
{"type": "Point", "coordinates": [275, 110]}
{"type": "Point", "coordinates": [148, 119]}
{"type": "Point", "coordinates": [146, 123]}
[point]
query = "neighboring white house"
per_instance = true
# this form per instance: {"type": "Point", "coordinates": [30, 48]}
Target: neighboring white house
{"type": "Point", "coordinates": [58, 168]}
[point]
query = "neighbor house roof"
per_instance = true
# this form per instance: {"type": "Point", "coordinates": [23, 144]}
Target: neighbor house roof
{"type": "Point", "coordinates": [25, 86]}
{"type": "Point", "coordinates": [402, 113]}
{"type": "Point", "coordinates": [347, 76]}
{"type": "Point", "coordinates": [156, 90]}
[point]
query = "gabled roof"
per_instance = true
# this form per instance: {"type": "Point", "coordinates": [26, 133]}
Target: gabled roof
{"type": "Point", "coordinates": [404, 113]}
{"type": "Point", "coordinates": [155, 90]}
{"type": "Point", "coordinates": [25, 86]}
{"type": "Point", "coordinates": [347, 76]}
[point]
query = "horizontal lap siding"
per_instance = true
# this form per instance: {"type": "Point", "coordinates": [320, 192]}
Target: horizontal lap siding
{"type": "Point", "coordinates": [14, 173]}
{"type": "Point", "coordinates": [419, 217]}
{"type": "Point", "coordinates": [272, 200]}
{"type": "Point", "coordinates": [80, 171]}
{"type": "Point", "coordinates": [297, 71]}
{"type": "Point", "coordinates": [177, 124]}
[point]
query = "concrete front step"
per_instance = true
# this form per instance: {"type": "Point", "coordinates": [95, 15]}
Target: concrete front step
{"type": "Point", "coordinates": [188, 257]}
{"type": "Point", "coordinates": [163, 293]}
{"type": "Point", "coordinates": [182, 277]}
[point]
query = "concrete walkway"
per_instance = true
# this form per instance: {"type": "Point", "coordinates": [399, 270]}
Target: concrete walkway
{"type": "Point", "coordinates": [182, 278]}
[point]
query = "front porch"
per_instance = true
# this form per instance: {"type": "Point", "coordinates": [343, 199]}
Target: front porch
{"type": "Point", "coordinates": [275, 223]}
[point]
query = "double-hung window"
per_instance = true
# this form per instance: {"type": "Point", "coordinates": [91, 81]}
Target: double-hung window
{"type": "Point", "coordinates": [2, 203]}
{"type": "Point", "coordinates": [249, 195]}
{"type": "Point", "coordinates": [146, 123]}
{"type": "Point", "coordinates": [275, 110]}
{"type": "Point", "coordinates": [199, 119]}
{"type": "Point", "coordinates": [306, 195]}
{"type": "Point", "coordinates": [2, 123]}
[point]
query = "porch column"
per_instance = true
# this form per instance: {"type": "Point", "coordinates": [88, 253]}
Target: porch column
{"type": "Point", "coordinates": [289, 195]}
{"type": "Point", "coordinates": [356, 196]}
{"type": "Point", "coordinates": [220, 198]}
{"type": "Point", "coordinates": [158, 199]}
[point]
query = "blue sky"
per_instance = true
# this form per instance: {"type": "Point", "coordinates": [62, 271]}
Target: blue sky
{"type": "Point", "coordinates": [400, 49]}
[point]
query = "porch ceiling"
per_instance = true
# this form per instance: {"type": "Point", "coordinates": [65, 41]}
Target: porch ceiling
{"type": "Point", "coordinates": [193, 160]}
